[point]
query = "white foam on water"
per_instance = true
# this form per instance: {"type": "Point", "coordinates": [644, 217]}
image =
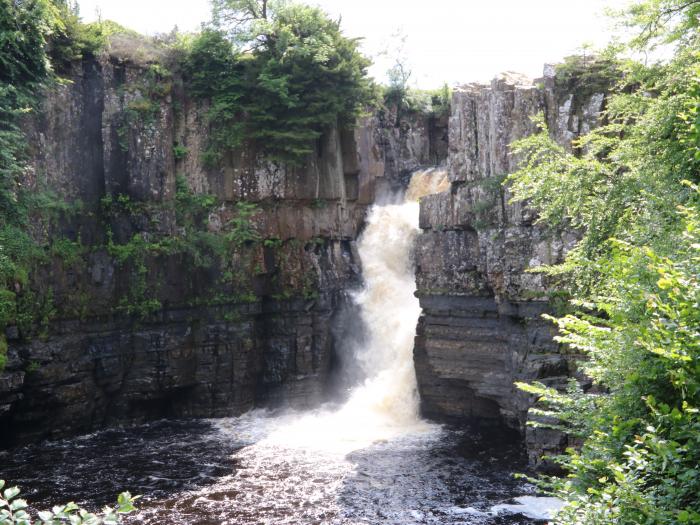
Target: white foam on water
{"type": "Point", "coordinates": [532, 507]}
{"type": "Point", "coordinates": [385, 405]}
{"type": "Point", "coordinates": [301, 458]}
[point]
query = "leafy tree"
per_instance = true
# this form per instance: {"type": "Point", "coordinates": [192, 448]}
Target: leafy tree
{"type": "Point", "coordinates": [245, 21]}
{"type": "Point", "coordinates": [632, 193]}
{"type": "Point", "coordinates": [281, 75]}
{"type": "Point", "coordinates": [233, 12]}
{"type": "Point", "coordinates": [399, 97]}
{"type": "Point", "coordinates": [663, 21]}
{"type": "Point", "coordinates": [396, 93]}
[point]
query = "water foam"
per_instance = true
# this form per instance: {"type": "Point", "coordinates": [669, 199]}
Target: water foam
{"type": "Point", "coordinates": [385, 405]}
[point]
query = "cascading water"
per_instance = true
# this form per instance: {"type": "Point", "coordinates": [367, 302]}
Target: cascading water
{"type": "Point", "coordinates": [385, 404]}
{"type": "Point", "coordinates": [371, 460]}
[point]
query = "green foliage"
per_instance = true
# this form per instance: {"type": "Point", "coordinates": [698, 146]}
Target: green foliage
{"type": "Point", "coordinates": [242, 229]}
{"type": "Point", "coordinates": [662, 22]}
{"type": "Point", "coordinates": [24, 30]}
{"type": "Point", "coordinates": [3, 351]}
{"type": "Point", "coordinates": [490, 193]}
{"type": "Point", "coordinates": [72, 40]}
{"type": "Point", "coordinates": [411, 101]}
{"type": "Point", "coordinates": [44, 37]}
{"type": "Point", "coordinates": [139, 299]}
{"type": "Point", "coordinates": [585, 75]}
{"type": "Point", "coordinates": [68, 251]}
{"type": "Point", "coordinates": [179, 151]}
{"type": "Point", "coordinates": [191, 209]}
{"type": "Point", "coordinates": [396, 94]}
{"type": "Point", "coordinates": [221, 250]}
{"type": "Point", "coordinates": [273, 242]}
{"type": "Point", "coordinates": [639, 463]}
{"type": "Point", "coordinates": [284, 80]}
{"type": "Point", "coordinates": [628, 173]}
{"type": "Point", "coordinates": [27, 31]}
{"type": "Point", "coordinates": [144, 102]}
{"type": "Point", "coordinates": [13, 511]}
{"type": "Point", "coordinates": [631, 191]}
{"type": "Point", "coordinates": [440, 100]}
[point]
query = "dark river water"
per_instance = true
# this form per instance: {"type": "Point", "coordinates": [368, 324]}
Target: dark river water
{"type": "Point", "coordinates": [229, 471]}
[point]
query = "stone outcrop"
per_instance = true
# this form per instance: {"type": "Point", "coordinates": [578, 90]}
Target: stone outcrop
{"type": "Point", "coordinates": [133, 336]}
{"type": "Point", "coordinates": [168, 331]}
{"type": "Point", "coordinates": [414, 142]}
{"type": "Point", "coordinates": [481, 328]}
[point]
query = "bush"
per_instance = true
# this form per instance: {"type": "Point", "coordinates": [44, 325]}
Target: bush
{"type": "Point", "coordinates": [280, 84]}
{"type": "Point", "coordinates": [632, 194]}
{"type": "Point", "coordinates": [13, 511]}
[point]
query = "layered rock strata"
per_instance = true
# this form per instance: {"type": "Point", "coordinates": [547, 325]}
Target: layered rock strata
{"type": "Point", "coordinates": [481, 328]}
{"type": "Point", "coordinates": [146, 319]}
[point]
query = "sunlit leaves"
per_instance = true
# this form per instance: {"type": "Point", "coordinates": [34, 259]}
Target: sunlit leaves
{"type": "Point", "coordinates": [280, 82]}
{"type": "Point", "coordinates": [630, 189]}
{"type": "Point", "coordinates": [13, 511]}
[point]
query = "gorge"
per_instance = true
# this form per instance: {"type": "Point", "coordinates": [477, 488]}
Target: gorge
{"type": "Point", "coordinates": [248, 276]}
{"type": "Point", "coordinates": [178, 289]}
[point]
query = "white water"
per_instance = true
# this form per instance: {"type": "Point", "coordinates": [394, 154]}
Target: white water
{"type": "Point", "coordinates": [309, 455]}
{"type": "Point", "coordinates": [385, 404]}
{"type": "Point", "coordinates": [301, 459]}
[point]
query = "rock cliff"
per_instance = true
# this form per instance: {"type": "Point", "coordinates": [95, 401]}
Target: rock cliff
{"type": "Point", "coordinates": [481, 328]}
{"type": "Point", "coordinates": [174, 286]}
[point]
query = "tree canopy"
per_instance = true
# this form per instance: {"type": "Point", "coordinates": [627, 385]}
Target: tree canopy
{"type": "Point", "coordinates": [277, 74]}
{"type": "Point", "coordinates": [633, 195]}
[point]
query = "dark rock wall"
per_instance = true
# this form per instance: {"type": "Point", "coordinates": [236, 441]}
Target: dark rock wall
{"type": "Point", "coordinates": [416, 141]}
{"type": "Point", "coordinates": [264, 338]}
{"type": "Point", "coordinates": [481, 328]}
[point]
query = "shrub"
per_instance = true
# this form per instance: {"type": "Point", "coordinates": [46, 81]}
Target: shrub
{"type": "Point", "coordinates": [13, 511]}
{"type": "Point", "coordinates": [280, 83]}
{"type": "Point", "coordinates": [632, 194]}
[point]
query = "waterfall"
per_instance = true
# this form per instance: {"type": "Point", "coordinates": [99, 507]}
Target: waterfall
{"type": "Point", "coordinates": [389, 308]}
{"type": "Point", "coordinates": [370, 460]}
{"type": "Point", "coordinates": [385, 404]}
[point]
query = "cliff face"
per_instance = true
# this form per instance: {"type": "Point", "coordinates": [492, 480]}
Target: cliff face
{"type": "Point", "coordinates": [175, 286]}
{"type": "Point", "coordinates": [481, 328]}
{"type": "Point", "coordinates": [191, 289]}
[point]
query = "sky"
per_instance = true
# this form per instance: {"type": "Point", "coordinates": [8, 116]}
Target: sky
{"type": "Point", "coordinates": [452, 41]}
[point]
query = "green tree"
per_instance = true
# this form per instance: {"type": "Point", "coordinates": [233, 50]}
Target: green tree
{"type": "Point", "coordinates": [245, 21]}
{"type": "Point", "coordinates": [287, 76]}
{"type": "Point", "coordinates": [632, 194]}
{"type": "Point", "coordinates": [662, 21]}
